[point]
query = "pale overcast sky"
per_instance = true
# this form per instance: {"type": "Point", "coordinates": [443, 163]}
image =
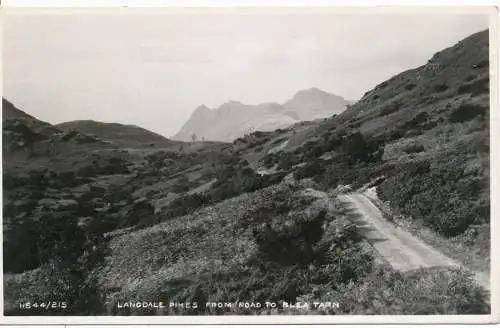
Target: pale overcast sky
{"type": "Point", "coordinates": [153, 70]}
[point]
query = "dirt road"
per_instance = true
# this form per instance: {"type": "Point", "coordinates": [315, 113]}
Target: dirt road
{"type": "Point", "coordinates": [401, 249]}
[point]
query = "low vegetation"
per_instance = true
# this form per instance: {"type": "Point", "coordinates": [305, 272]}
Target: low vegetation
{"type": "Point", "coordinates": [96, 224]}
{"type": "Point", "coordinates": [443, 195]}
{"type": "Point", "coordinates": [434, 291]}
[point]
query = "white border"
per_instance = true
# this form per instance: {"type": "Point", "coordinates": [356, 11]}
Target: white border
{"type": "Point", "coordinates": [242, 3]}
{"type": "Point", "coordinates": [36, 7]}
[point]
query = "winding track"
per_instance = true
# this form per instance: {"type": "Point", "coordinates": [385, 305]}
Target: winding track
{"type": "Point", "coordinates": [401, 249]}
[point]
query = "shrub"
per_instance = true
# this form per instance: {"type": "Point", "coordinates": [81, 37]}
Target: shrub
{"type": "Point", "coordinates": [182, 184]}
{"type": "Point", "coordinates": [410, 86]}
{"type": "Point", "coordinates": [20, 246]}
{"type": "Point", "coordinates": [467, 112]}
{"type": "Point", "coordinates": [67, 253]}
{"type": "Point", "coordinates": [416, 121]}
{"type": "Point", "coordinates": [357, 149]}
{"type": "Point", "coordinates": [292, 245]}
{"type": "Point", "coordinates": [311, 169]}
{"type": "Point", "coordinates": [389, 109]}
{"type": "Point", "coordinates": [421, 292]}
{"type": "Point", "coordinates": [442, 196]}
{"type": "Point", "coordinates": [287, 160]}
{"type": "Point", "coordinates": [413, 148]}
{"type": "Point", "coordinates": [475, 88]}
{"type": "Point", "coordinates": [441, 87]}
{"type": "Point", "coordinates": [186, 204]}
{"type": "Point", "coordinates": [314, 151]}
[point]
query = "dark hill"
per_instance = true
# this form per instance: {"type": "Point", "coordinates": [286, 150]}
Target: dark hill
{"type": "Point", "coordinates": [20, 129]}
{"type": "Point", "coordinates": [112, 131]}
{"type": "Point", "coordinates": [11, 113]}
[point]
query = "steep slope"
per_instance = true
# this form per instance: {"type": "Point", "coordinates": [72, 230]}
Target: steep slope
{"type": "Point", "coordinates": [234, 119]}
{"type": "Point", "coordinates": [112, 131]}
{"type": "Point", "coordinates": [11, 113]}
{"type": "Point", "coordinates": [422, 138]}
{"type": "Point", "coordinates": [20, 129]}
{"type": "Point", "coordinates": [453, 77]}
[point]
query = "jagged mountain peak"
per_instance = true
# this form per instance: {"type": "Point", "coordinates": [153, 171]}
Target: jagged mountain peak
{"type": "Point", "coordinates": [234, 119]}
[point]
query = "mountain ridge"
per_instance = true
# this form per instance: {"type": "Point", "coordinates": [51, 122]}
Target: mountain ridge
{"type": "Point", "coordinates": [234, 119]}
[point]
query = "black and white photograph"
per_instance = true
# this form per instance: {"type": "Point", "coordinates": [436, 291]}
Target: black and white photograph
{"type": "Point", "coordinates": [246, 161]}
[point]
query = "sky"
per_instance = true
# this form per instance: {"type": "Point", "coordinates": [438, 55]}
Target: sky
{"type": "Point", "coordinates": [153, 69]}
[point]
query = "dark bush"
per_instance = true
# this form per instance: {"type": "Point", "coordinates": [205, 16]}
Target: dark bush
{"type": "Point", "coordinates": [314, 151]}
{"type": "Point", "coordinates": [416, 121]}
{"type": "Point", "coordinates": [389, 109]}
{"type": "Point", "coordinates": [186, 204]}
{"type": "Point", "coordinates": [311, 169]}
{"type": "Point", "coordinates": [287, 160]}
{"type": "Point", "coordinates": [182, 184]}
{"type": "Point", "coordinates": [414, 148]}
{"type": "Point", "coordinates": [293, 245]}
{"type": "Point", "coordinates": [410, 86]}
{"type": "Point", "coordinates": [357, 149]}
{"type": "Point", "coordinates": [20, 246]}
{"type": "Point", "coordinates": [394, 133]}
{"type": "Point", "coordinates": [467, 112]}
{"type": "Point", "coordinates": [476, 88]}
{"type": "Point", "coordinates": [441, 87]}
{"type": "Point", "coordinates": [441, 196]}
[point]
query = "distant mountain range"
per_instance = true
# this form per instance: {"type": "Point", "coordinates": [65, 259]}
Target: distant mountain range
{"type": "Point", "coordinates": [235, 119]}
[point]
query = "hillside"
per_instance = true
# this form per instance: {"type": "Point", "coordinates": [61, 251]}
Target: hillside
{"type": "Point", "coordinates": [21, 129]}
{"type": "Point", "coordinates": [422, 138]}
{"type": "Point", "coordinates": [11, 114]}
{"type": "Point", "coordinates": [113, 131]}
{"type": "Point", "coordinates": [234, 119]}
{"type": "Point", "coordinates": [264, 218]}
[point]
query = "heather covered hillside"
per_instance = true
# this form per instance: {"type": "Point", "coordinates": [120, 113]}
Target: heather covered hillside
{"type": "Point", "coordinates": [101, 215]}
{"type": "Point", "coordinates": [422, 137]}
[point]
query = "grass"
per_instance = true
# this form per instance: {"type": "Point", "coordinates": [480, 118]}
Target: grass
{"type": "Point", "coordinates": [233, 261]}
{"type": "Point", "coordinates": [433, 291]}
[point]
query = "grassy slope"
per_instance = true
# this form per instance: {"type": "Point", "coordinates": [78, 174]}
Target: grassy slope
{"type": "Point", "coordinates": [120, 133]}
{"type": "Point", "coordinates": [213, 254]}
